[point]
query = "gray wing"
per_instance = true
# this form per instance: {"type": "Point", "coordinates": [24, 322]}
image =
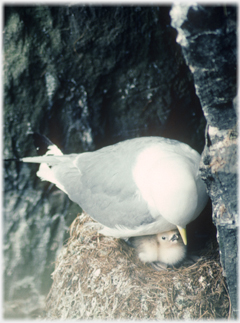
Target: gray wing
{"type": "Point", "coordinates": [101, 183]}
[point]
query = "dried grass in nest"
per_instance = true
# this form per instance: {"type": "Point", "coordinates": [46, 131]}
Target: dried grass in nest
{"type": "Point", "coordinates": [98, 277]}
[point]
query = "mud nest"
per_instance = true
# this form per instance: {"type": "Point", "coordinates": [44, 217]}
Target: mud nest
{"type": "Point", "coordinates": [98, 277]}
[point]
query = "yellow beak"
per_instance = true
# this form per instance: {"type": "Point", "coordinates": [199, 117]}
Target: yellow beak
{"type": "Point", "coordinates": [183, 233]}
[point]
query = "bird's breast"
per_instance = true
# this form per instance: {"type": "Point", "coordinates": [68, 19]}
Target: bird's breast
{"type": "Point", "coordinates": [166, 183]}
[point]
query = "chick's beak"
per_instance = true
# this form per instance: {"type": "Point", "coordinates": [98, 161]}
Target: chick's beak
{"type": "Point", "coordinates": [174, 237]}
{"type": "Point", "coordinates": [183, 233]}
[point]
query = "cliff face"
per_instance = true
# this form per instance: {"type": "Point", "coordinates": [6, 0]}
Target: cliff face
{"type": "Point", "coordinates": [207, 36]}
{"type": "Point", "coordinates": [90, 76]}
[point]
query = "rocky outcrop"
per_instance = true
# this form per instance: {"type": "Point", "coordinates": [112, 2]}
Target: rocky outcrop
{"type": "Point", "coordinates": [208, 39]}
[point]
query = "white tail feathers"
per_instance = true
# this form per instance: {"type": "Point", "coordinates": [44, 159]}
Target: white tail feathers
{"type": "Point", "coordinates": [52, 157]}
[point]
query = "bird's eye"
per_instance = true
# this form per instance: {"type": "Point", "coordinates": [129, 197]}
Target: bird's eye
{"type": "Point", "coordinates": [163, 238]}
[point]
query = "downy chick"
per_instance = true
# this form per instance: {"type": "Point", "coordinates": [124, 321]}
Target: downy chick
{"type": "Point", "coordinates": [161, 250]}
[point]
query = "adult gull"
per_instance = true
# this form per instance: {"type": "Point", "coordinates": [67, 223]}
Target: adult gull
{"type": "Point", "coordinates": [137, 187]}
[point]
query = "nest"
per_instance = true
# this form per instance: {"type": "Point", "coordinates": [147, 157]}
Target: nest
{"type": "Point", "coordinates": [98, 277]}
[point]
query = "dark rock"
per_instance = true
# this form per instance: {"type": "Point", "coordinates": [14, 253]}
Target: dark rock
{"type": "Point", "coordinates": [208, 39]}
{"type": "Point", "coordinates": [85, 77]}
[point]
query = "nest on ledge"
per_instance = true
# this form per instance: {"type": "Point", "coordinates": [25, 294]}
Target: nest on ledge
{"type": "Point", "coordinates": [98, 277]}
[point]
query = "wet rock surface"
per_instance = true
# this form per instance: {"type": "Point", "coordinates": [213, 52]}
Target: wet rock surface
{"type": "Point", "coordinates": [208, 39]}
